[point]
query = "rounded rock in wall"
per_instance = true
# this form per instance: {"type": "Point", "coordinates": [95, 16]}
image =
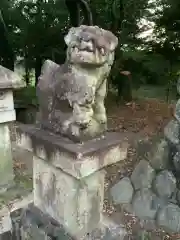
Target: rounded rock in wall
{"type": "Point", "coordinates": [177, 111]}
{"type": "Point", "coordinates": [142, 175]}
{"type": "Point", "coordinates": [169, 218]}
{"type": "Point", "coordinates": [145, 204]}
{"type": "Point", "coordinates": [164, 184]}
{"type": "Point", "coordinates": [176, 161]}
{"type": "Point", "coordinates": [171, 132]}
{"type": "Point", "coordinates": [178, 86]}
{"type": "Point", "coordinates": [122, 191]}
{"type": "Point", "coordinates": [159, 156]}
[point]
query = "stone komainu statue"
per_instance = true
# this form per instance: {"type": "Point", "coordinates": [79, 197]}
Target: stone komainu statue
{"type": "Point", "coordinates": [71, 96]}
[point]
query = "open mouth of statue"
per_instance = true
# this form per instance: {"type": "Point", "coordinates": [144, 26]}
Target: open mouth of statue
{"type": "Point", "coordinates": [88, 47]}
{"type": "Point", "coordinates": [87, 50]}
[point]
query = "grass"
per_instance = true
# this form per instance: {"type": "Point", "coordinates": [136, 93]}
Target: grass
{"type": "Point", "coordinates": [158, 92]}
{"type": "Point", "coordinates": [22, 187]}
{"type": "Point", "coordinates": [26, 96]}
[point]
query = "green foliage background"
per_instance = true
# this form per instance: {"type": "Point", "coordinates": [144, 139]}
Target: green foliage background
{"type": "Point", "coordinates": [34, 31]}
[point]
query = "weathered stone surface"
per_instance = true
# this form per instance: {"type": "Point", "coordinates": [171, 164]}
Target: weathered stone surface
{"type": "Point", "coordinates": [169, 218]}
{"type": "Point", "coordinates": [165, 184]}
{"type": "Point", "coordinates": [6, 168]}
{"type": "Point", "coordinates": [31, 224]}
{"type": "Point", "coordinates": [159, 155]}
{"type": "Point", "coordinates": [6, 100]}
{"type": "Point", "coordinates": [108, 230]}
{"type": "Point", "coordinates": [178, 86]}
{"type": "Point", "coordinates": [22, 203]}
{"type": "Point", "coordinates": [145, 204]}
{"type": "Point", "coordinates": [178, 196]}
{"type": "Point", "coordinates": [173, 198]}
{"type": "Point", "coordinates": [7, 116]}
{"type": "Point", "coordinates": [68, 177]}
{"type": "Point", "coordinates": [75, 203]}
{"type": "Point", "coordinates": [171, 132]}
{"type": "Point", "coordinates": [177, 111]}
{"type": "Point", "coordinates": [78, 160]}
{"type": "Point", "coordinates": [9, 79]}
{"type": "Point", "coordinates": [5, 224]}
{"type": "Point", "coordinates": [122, 192]}
{"type": "Point", "coordinates": [142, 175]}
{"type": "Point", "coordinates": [16, 212]}
{"type": "Point", "coordinates": [7, 106]}
{"type": "Point", "coordinates": [176, 161]}
{"type": "Point", "coordinates": [71, 96]}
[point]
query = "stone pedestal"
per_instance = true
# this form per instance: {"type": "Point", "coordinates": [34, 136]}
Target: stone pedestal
{"type": "Point", "coordinates": [69, 177]}
{"type": "Point", "coordinates": [8, 81]}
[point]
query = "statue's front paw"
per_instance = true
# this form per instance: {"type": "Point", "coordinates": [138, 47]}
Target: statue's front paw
{"type": "Point", "coordinates": [101, 118]}
{"type": "Point", "coordinates": [65, 126]}
{"type": "Point", "coordinates": [74, 130]}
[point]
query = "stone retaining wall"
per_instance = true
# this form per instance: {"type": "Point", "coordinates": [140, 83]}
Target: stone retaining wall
{"type": "Point", "coordinates": [152, 192]}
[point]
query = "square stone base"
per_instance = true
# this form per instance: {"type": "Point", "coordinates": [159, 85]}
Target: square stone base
{"type": "Point", "coordinates": [78, 160]}
{"type": "Point", "coordinates": [75, 203]}
{"type": "Point", "coordinates": [69, 177]}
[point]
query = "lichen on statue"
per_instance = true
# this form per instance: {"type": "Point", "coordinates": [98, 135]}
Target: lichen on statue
{"type": "Point", "coordinates": [71, 96]}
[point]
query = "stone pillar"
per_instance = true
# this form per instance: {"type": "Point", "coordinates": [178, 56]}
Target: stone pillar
{"type": "Point", "coordinates": [8, 81]}
{"type": "Point", "coordinates": [69, 177]}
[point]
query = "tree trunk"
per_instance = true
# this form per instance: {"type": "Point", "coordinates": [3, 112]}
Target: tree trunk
{"type": "Point", "coordinates": [8, 62]}
{"type": "Point", "coordinates": [124, 87]}
{"type": "Point", "coordinates": [26, 67]}
{"type": "Point", "coordinates": [27, 75]}
{"type": "Point", "coordinates": [127, 90]}
{"type": "Point", "coordinates": [93, 11]}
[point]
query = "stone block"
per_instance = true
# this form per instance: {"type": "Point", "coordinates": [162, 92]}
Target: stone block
{"type": "Point", "coordinates": [7, 106]}
{"type": "Point", "coordinates": [75, 203]}
{"type": "Point", "coordinates": [9, 79]}
{"type": "Point", "coordinates": [6, 100]}
{"type": "Point", "coordinates": [6, 168]}
{"type": "Point", "coordinates": [5, 224]}
{"type": "Point", "coordinates": [78, 160]}
{"type": "Point", "coordinates": [7, 116]}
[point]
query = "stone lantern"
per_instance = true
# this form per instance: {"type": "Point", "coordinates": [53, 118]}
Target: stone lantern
{"type": "Point", "coordinates": [8, 81]}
